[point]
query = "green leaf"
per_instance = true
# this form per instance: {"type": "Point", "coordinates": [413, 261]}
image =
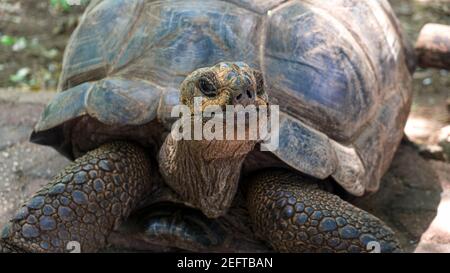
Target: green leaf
{"type": "Point", "coordinates": [7, 40]}
{"type": "Point", "coordinates": [60, 4]}
{"type": "Point", "coordinates": [20, 44]}
{"type": "Point", "coordinates": [20, 75]}
{"type": "Point", "coordinates": [51, 53]}
{"type": "Point", "coordinates": [54, 3]}
{"type": "Point", "coordinates": [65, 6]}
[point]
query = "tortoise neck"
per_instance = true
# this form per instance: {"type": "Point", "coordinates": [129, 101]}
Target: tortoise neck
{"type": "Point", "coordinates": [205, 173]}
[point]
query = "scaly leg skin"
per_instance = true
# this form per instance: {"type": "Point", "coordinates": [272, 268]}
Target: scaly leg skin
{"type": "Point", "coordinates": [293, 214]}
{"type": "Point", "coordinates": [82, 204]}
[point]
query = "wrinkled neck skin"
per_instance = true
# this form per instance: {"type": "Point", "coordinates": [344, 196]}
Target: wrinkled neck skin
{"type": "Point", "coordinates": [204, 173]}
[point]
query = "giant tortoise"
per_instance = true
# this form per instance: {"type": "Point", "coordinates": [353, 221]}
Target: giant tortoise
{"type": "Point", "coordinates": [340, 72]}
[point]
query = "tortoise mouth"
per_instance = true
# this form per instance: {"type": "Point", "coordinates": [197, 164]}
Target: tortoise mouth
{"type": "Point", "coordinates": [238, 125]}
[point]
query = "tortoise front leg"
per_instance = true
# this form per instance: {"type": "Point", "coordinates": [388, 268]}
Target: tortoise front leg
{"type": "Point", "coordinates": [84, 203]}
{"type": "Point", "coordinates": [293, 214]}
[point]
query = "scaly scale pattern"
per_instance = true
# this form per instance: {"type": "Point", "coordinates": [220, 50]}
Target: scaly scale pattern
{"type": "Point", "coordinates": [295, 215]}
{"type": "Point", "coordinates": [84, 203]}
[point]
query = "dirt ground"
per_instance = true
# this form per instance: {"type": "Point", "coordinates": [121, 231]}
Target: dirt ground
{"type": "Point", "coordinates": [414, 198]}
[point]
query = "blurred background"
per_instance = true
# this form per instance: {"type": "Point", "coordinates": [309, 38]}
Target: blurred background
{"type": "Point", "coordinates": [33, 35]}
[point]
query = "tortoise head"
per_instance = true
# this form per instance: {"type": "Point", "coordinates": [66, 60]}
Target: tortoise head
{"type": "Point", "coordinates": [227, 83]}
{"type": "Point", "coordinates": [205, 172]}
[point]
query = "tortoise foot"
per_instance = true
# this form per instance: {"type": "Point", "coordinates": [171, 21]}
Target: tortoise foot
{"type": "Point", "coordinates": [293, 214]}
{"type": "Point", "coordinates": [80, 207]}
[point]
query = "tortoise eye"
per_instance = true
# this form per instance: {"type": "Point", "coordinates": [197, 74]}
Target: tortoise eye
{"type": "Point", "coordinates": [207, 87]}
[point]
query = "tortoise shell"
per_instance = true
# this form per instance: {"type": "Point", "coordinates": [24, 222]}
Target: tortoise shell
{"type": "Point", "coordinates": [338, 70]}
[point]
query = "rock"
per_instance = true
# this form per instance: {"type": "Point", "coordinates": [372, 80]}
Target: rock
{"type": "Point", "coordinates": [437, 237]}
{"type": "Point", "coordinates": [444, 141]}
{"type": "Point", "coordinates": [444, 134]}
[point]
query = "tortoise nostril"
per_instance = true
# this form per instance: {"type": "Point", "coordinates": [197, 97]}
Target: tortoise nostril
{"type": "Point", "coordinates": [239, 97]}
{"type": "Point", "coordinates": [249, 94]}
